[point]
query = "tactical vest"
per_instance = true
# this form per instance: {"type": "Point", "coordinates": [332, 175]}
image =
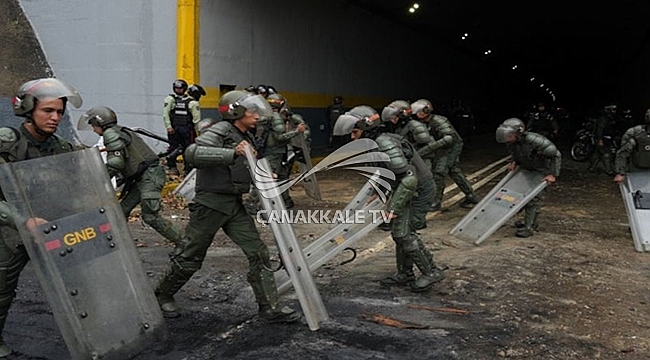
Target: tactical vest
{"type": "Point", "coordinates": [180, 114]}
{"type": "Point", "coordinates": [641, 155]}
{"type": "Point", "coordinates": [234, 179]}
{"type": "Point", "coordinates": [23, 148]}
{"type": "Point", "coordinates": [137, 154]}
{"type": "Point", "coordinates": [421, 169]}
{"type": "Point", "coordinates": [527, 156]}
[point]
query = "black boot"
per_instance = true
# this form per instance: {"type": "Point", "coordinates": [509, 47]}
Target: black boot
{"type": "Point", "coordinates": [470, 201]}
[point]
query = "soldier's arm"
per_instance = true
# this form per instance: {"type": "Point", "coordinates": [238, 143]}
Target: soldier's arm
{"type": "Point", "coordinates": [628, 144]}
{"type": "Point", "coordinates": [549, 150]}
{"type": "Point", "coordinates": [446, 130]}
{"type": "Point", "coordinates": [298, 119]}
{"type": "Point", "coordinates": [209, 148]}
{"type": "Point", "coordinates": [195, 110]}
{"type": "Point", "coordinates": [167, 107]}
{"type": "Point", "coordinates": [115, 150]}
{"type": "Point", "coordinates": [403, 193]}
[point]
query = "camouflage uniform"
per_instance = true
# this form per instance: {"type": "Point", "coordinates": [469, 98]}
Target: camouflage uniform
{"type": "Point", "coordinates": [222, 177]}
{"type": "Point", "coordinates": [447, 147]}
{"type": "Point", "coordinates": [418, 135]}
{"type": "Point", "coordinates": [536, 153]}
{"type": "Point", "coordinates": [131, 157]}
{"type": "Point", "coordinates": [634, 153]}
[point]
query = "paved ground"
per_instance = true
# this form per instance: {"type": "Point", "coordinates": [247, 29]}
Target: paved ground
{"type": "Point", "coordinates": [575, 290]}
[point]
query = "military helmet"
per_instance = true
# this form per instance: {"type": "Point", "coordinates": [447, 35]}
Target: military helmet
{"type": "Point", "coordinates": [179, 84]}
{"type": "Point", "coordinates": [398, 109]}
{"type": "Point", "coordinates": [271, 90]}
{"type": "Point", "coordinates": [610, 108]}
{"type": "Point", "coordinates": [423, 105]}
{"type": "Point", "coordinates": [361, 117]}
{"type": "Point", "coordinates": [234, 104]}
{"type": "Point", "coordinates": [196, 91]}
{"type": "Point", "coordinates": [101, 116]}
{"type": "Point", "coordinates": [40, 89]}
{"type": "Point", "coordinates": [277, 101]}
{"type": "Point", "coordinates": [512, 126]}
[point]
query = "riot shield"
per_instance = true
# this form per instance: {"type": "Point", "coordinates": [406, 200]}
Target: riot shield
{"type": "Point", "coordinates": [514, 191]}
{"type": "Point", "coordinates": [343, 235]}
{"type": "Point", "coordinates": [303, 159]}
{"type": "Point", "coordinates": [186, 187]}
{"type": "Point", "coordinates": [83, 254]}
{"type": "Point", "coordinates": [635, 191]}
{"type": "Point", "coordinates": [292, 257]}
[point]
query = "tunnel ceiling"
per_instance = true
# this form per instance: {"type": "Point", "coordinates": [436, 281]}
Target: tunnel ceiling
{"type": "Point", "coordinates": [567, 46]}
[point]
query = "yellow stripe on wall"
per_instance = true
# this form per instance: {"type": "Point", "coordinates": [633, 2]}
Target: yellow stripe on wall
{"type": "Point", "coordinates": [304, 100]}
{"type": "Point", "coordinates": [187, 40]}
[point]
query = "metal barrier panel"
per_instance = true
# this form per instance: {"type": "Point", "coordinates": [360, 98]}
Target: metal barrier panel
{"type": "Point", "coordinates": [514, 191]}
{"type": "Point", "coordinates": [635, 191]}
{"type": "Point", "coordinates": [292, 256]}
{"type": "Point", "coordinates": [186, 188]}
{"type": "Point", "coordinates": [310, 183]}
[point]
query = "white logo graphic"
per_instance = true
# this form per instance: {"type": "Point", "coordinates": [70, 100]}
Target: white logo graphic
{"type": "Point", "coordinates": [358, 155]}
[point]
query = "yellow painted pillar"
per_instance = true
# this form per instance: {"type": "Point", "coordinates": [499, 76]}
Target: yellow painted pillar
{"type": "Point", "coordinates": [187, 40]}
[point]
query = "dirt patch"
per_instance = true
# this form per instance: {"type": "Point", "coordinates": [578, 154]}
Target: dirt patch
{"type": "Point", "coordinates": [575, 290]}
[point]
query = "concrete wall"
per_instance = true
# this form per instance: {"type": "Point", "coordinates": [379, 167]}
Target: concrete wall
{"type": "Point", "coordinates": [122, 54]}
{"type": "Point", "coordinates": [118, 53]}
{"type": "Point", "coordinates": [326, 48]}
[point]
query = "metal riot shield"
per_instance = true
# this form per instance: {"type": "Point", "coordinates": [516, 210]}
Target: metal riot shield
{"type": "Point", "coordinates": [514, 191]}
{"type": "Point", "coordinates": [303, 158]}
{"type": "Point", "coordinates": [186, 187]}
{"type": "Point", "coordinates": [344, 234]}
{"type": "Point", "coordinates": [83, 254]}
{"type": "Point", "coordinates": [292, 257]}
{"type": "Point", "coordinates": [635, 191]}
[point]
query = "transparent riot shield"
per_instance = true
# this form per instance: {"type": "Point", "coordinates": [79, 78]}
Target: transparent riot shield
{"type": "Point", "coordinates": [514, 191]}
{"type": "Point", "coordinates": [344, 234]}
{"type": "Point", "coordinates": [186, 187]}
{"type": "Point", "coordinates": [292, 257]}
{"type": "Point", "coordinates": [83, 254]}
{"type": "Point", "coordinates": [303, 159]}
{"type": "Point", "coordinates": [635, 191]}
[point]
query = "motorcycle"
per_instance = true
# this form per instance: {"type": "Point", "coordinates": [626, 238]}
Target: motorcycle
{"type": "Point", "coordinates": [585, 142]}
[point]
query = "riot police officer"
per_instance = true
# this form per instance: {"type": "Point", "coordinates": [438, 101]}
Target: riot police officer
{"type": "Point", "coordinates": [542, 122]}
{"type": "Point", "coordinates": [445, 150]}
{"type": "Point", "coordinates": [605, 136]}
{"type": "Point", "coordinates": [42, 102]}
{"type": "Point", "coordinates": [333, 111]}
{"type": "Point", "coordinates": [278, 131]}
{"type": "Point", "coordinates": [634, 153]}
{"type": "Point", "coordinates": [533, 152]}
{"type": "Point", "coordinates": [130, 157]}
{"type": "Point", "coordinates": [408, 167]}
{"type": "Point", "coordinates": [397, 117]}
{"type": "Point", "coordinates": [222, 177]}
{"type": "Point", "coordinates": [180, 113]}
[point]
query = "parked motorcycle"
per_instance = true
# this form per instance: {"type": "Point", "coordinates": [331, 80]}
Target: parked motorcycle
{"type": "Point", "coordinates": [585, 142]}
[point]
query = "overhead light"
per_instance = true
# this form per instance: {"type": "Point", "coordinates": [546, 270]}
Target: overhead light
{"type": "Point", "coordinates": [532, 79]}
{"type": "Point", "coordinates": [514, 67]}
{"type": "Point", "coordinates": [411, 10]}
{"type": "Point", "coordinates": [541, 85]}
{"type": "Point", "coordinates": [487, 52]}
{"type": "Point", "coordinates": [416, 6]}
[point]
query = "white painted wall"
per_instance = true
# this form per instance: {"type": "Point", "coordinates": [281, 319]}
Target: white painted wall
{"type": "Point", "coordinates": [118, 53]}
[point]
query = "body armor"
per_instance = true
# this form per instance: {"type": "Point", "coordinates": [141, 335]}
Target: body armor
{"type": "Point", "coordinates": [180, 114]}
{"type": "Point", "coordinates": [226, 173]}
{"type": "Point", "coordinates": [135, 154]}
{"type": "Point", "coordinates": [535, 152]}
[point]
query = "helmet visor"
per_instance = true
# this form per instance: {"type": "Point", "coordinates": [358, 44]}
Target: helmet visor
{"type": "Point", "coordinates": [51, 88]}
{"type": "Point", "coordinates": [505, 134]}
{"type": "Point", "coordinates": [84, 122]}
{"type": "Point", "coordinates": [256, 104]}
{"type": "Point", "coordinates": [344, 125]}
{"type": "Point", "coordinates": [389, 114]}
